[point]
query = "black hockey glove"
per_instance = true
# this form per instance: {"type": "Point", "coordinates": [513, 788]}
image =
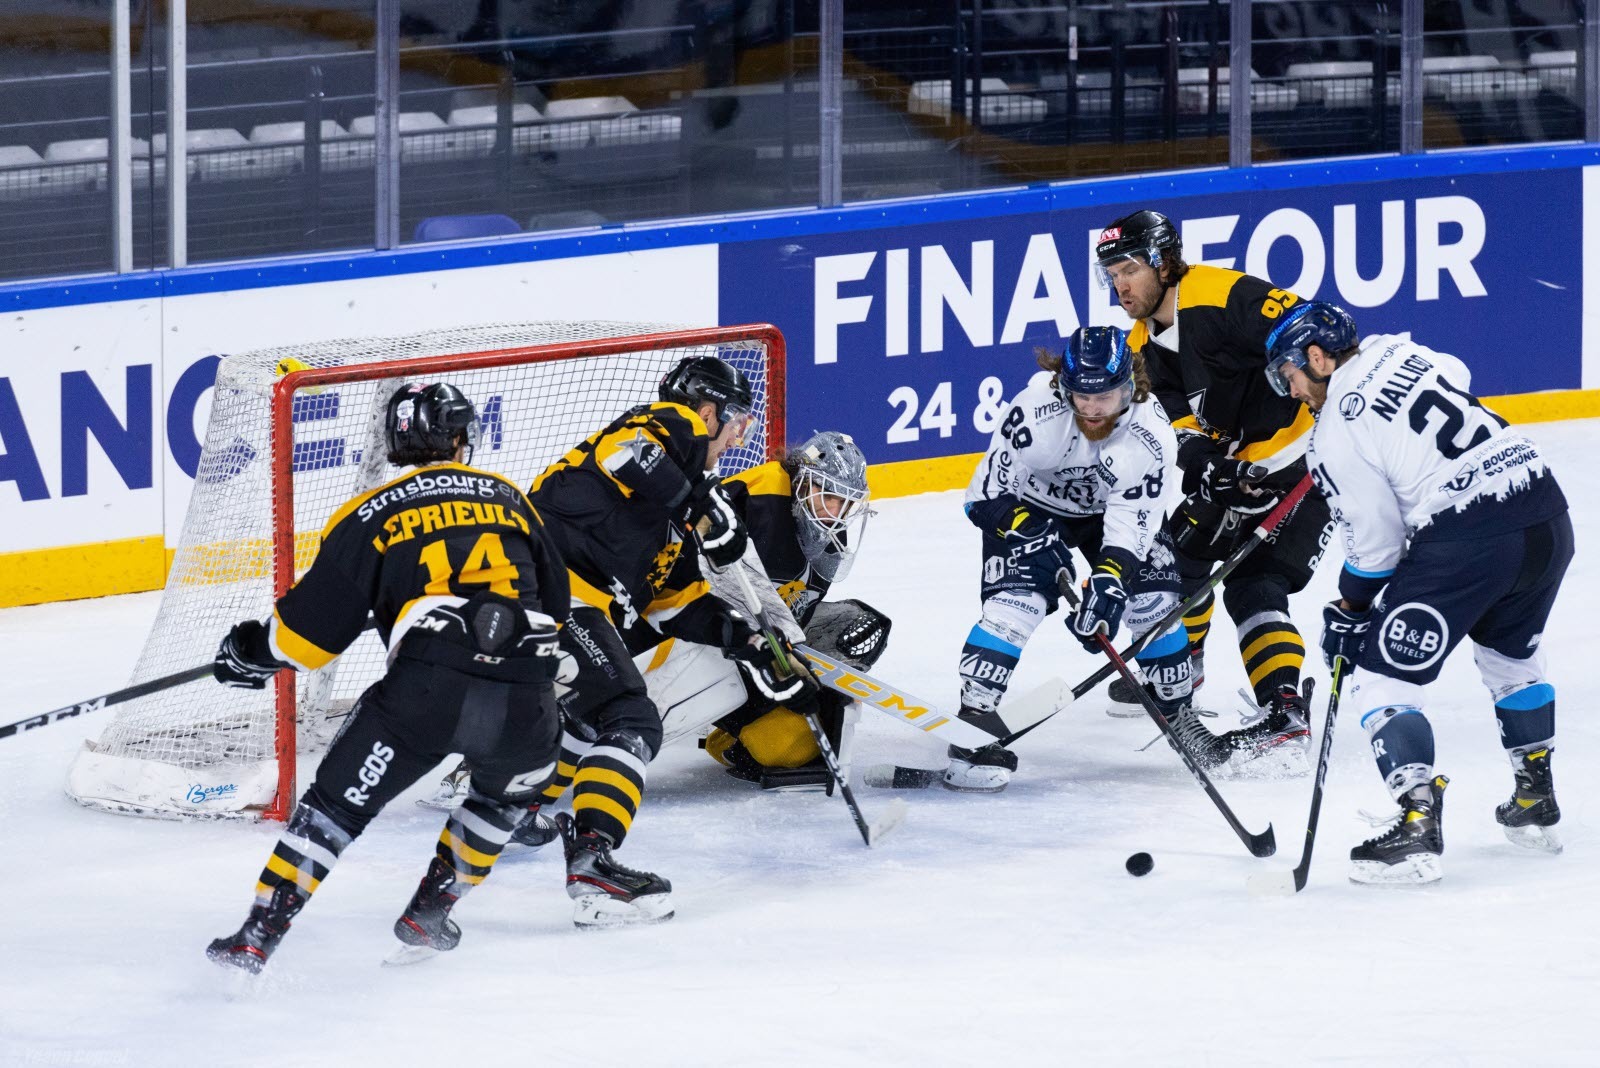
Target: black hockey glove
{"type": "Point", "coordinates": [1204, 531]}
{"type": "Point", "coordinates": [769, 669]}
{"type": "Point", "coordinates": [1034, 547]}
{"type": "Point", "coordinates": [1232, 484]}
{"type": "Point", "coordinates": [1344, 632]}
{"type": "Point", "coordinates": [1103, 602]}
{"type": "Point", "coordinates": [543, 640]}
{"type": "Point", "coordinates": [721, 533]}
{"type": "Point", "coordinates": [244, 659]}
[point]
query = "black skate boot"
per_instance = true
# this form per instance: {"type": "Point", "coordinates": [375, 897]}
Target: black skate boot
{"type": "Point", "coordinates": [1283, 725]}
{"type": "Point", "coordinates": [1208, 750]}
{"type": "Point", "coordinates": [985, 770]}
{"type": "Point", "coordinates": [1124, 699]}
{"type": "Point", "coordinates": [1530, 816]}
{"type": "Point", "coordinates": [534, 832]}
{"type": "Point", "coordinates": [606, 894]}
{"type": "Point", "coordinates": [250, 946]}
{"type": "Point", "coordinates": [426, 925]}
{"type": "Point", "coordinates": [1407, 854]}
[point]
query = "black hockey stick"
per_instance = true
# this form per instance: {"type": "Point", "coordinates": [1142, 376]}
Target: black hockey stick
{"type": "Point", "coordinates": [115, 697]}
{"type": "Point", "coordinates": [1260, 845]}
{"type": "Point", "coordinates": [895, 811]}
{"type": "Point", "coordinates": [1261, 533]}
{"type": "Point", "coordinates": [1286, 883]}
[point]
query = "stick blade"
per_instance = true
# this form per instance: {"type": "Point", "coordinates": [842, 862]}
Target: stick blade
{"type": "Point", "coordinates": [1264, 844]}
{"type": "Point", "coordinates": [895, 777]}
{"type": "Point", "coordinates": [894, 813]}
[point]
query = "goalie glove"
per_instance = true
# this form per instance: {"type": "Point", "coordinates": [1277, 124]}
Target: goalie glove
{"type": "Point", "coordinates": [769, 669]}
{"type": "Point", "coordinates": [850, 629]}
{"type": "Point", "coordinates": [716, 526]}
{"type": "Point", "coordinates": [244, 659]}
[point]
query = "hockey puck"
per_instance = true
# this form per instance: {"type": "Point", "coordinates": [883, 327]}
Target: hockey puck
{"type": "Point", "coordinates": [1139, 864]}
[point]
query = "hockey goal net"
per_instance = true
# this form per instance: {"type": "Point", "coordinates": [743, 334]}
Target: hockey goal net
{"type": "Point", "coordinates": [295, 432]}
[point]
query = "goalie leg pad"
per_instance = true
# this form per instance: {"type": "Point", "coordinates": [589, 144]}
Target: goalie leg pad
{"type": "Point", "coordinates": [780, 739]}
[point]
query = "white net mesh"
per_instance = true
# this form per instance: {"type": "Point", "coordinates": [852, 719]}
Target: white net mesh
{"type": "Point", "coordinates": [207, 750]}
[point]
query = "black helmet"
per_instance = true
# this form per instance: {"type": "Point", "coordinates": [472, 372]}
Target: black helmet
{"type": "Point", "coordinates": [1316, 322]}
{"type": "Point", "coordinates": [427, 422]}
{"type": "Point", "coordinates": [698, 379]}
{"type": "Point", "coordinates": [1145, 233]}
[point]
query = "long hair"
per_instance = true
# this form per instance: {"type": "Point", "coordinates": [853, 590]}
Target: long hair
{"type": "Point", "coordinates": [1050, 360]}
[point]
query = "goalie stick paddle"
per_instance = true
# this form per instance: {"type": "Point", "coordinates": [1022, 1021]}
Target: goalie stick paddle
{"type": "Point", "coordinates": [115, 697]}
{"type": "Point", "coordinates": [1261, 533]}
{"type": "Point", "coordinates": [895, 811]}
{"type": "Point", "coordinates": [1288, 883]}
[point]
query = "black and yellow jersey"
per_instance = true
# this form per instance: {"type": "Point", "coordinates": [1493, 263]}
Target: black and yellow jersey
{"type": "Point", "coordinates": [1215, 383]}
{"type": "Point", "coordinates": [612, 505]}
{"type": "Point", "coordinates": [764, 497]}
{"type": "Point", "coordinates": [441, 530]}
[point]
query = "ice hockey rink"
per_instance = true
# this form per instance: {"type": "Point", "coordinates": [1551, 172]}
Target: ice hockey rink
{"type": "Point", "coordinates": [984, 930]}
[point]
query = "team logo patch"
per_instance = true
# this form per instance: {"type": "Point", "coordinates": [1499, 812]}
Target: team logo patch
{"type": "Point", "coordinates": [994, 569]}
{"type": "Point", "coordinates": [1352, 405]}
{"type": "Point", "coordinates": [1465, 479]}
{"type": "Point", "coordinates": [1111, 233]}
{"type": "Point", "coordinates": [1414, 637]}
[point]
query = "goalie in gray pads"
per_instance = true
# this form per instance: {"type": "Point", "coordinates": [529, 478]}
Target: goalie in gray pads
{"type": "Point", "coordinates": [1079, 460]}
{"type": "Point", "coordinates": [1454, 527]}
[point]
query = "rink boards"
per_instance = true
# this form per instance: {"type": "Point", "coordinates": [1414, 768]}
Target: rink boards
{"type": "Point", "coordinates": [908, 323]}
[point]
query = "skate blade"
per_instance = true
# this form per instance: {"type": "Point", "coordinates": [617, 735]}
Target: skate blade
{"type": "Point", "coordinates": [602, 911]}
{"type": "Point", "coordinates": [517, 852]}
{"type": "Point", "coordinates": [406, 954]}
{"type": "Point", "coordinates": [977, 780]}
{"type": "Point", "coordinates": [442, 802]}
{"type": "Point", "coordinates": [1117, 710]}
{"type": "Point", "coordinates": [1288, 760]}
{"type": "Point", "coordinates": [1419, 869]}
{"type": "Point", "coordinates": [1539, 839]}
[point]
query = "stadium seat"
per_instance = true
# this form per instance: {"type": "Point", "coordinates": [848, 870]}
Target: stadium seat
{"type": "Point", "coordinates": [1194, 92]}
{"type": "Point", "coordinates": [1462, 79]}
{"type": "Point", "coordinates": [457, 227]}
{"type": "Point", "coordinates": [1000, 105]}
{"type": "Point", "coordinates": [1339, 84]}
{"type": "Point", "coordinates": [21, 172]}
{"type": "Point", "coordinates": [426, 138]}
{"type": "Point", "coordinates": [573, 219]}
{"type": "Point", "coordinates": [1556, 71]}
{"type": "Point", "coordinates": [1141, 92]}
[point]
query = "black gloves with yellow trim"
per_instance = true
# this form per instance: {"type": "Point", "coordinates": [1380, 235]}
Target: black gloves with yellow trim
{"type": "Point", "coordinates": [244, 659]}
{"type": "Point", "coordinates": [769, 668]}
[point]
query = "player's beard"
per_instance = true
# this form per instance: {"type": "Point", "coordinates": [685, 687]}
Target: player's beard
{"type": "Point", "coordinates": [1096, 433]}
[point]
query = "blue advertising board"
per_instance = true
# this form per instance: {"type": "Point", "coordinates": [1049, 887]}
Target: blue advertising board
{"type": "Point", "coordinates": [911, 335]}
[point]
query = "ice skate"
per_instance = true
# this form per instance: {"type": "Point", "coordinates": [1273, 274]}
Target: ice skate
{"type": "Point", "coordinates": [1207, 750]}
{"type": "Point", "coordinates": [986, 770]}
{"type": "Point", "coordinates": [451, 791]}
{"type": "Point", "coordinates": [251, 945]}
{"type": "Point", "coordinates": [1530, 815]}
{"type": "Point", "coordinates": [604, 893]}
{"type": "Point", "coordinates": [425, 926]}
{"type": "Point", "coordinates": [1277, 737]}
{"type": "Point", "coordinates": [1407, 854]}
{"type": "Point", "coordinates": [533, 833]}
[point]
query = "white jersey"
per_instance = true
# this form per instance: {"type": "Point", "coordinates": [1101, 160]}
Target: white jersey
{"type": "Point", "coordinates": [1039, 455]}
{"type": "Point", "coordinates": [1402, 447]}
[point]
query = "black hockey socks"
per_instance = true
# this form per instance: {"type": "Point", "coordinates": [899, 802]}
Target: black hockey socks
{"type": "Point", "coordinates": [609, 785]}
{"type": "Point", "coordinates": [1402, 744]}
{"type": "Point", "coordinates": [307, 850]}
{"type": "Point", "coordinates": [1198, 624]}
{"type": "Point", "coordinates": [1273, 652]}
{"type": "Point", "coordinates": [1527, 717]}
{"type": "Point", "coordinates": [473, 837]}
{"type": "Point", "coordinates": [572, 753]}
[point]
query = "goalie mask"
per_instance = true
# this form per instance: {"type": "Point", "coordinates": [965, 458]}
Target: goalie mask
{"type": "Point", "coordinates": [427, 422]}
{"type": "Point", "coordinates": [829, 475]}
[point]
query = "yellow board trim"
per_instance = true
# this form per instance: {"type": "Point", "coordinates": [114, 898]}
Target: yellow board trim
{"type": "Point", "coordinates": [134, 565]}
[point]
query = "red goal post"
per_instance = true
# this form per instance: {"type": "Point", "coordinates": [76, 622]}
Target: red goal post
{"type": "Point", "coordinates": [144, 762]}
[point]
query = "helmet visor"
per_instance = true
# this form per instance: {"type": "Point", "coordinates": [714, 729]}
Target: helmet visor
{"type": "Point", "coordinates": [1102, 405]}
{"type": "Point", "coordinates": [1108, 267]}
{"type": "Point", "coordinates": [1278, 370]}
{"type": "Point", "coordinates": [736, 423]}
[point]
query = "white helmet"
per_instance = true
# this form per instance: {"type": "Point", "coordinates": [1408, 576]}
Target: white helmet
{"type": "Point", "coordinates": [830, 501]}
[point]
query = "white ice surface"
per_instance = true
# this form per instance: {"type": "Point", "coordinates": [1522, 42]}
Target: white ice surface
{"type": "Point", "coordinates": [985, 930]}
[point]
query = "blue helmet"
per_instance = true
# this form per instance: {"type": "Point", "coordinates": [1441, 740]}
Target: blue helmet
{"type": "Point", "coordinates": [1097, 360]}
{"type": "Point", "coordinates": [1316, 322]}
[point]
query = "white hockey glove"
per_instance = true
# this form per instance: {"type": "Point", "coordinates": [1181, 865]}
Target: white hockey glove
{"type": "Point", "coordinates": [721, 533]}
{"type": "Point", "coordinates": [769, 669]}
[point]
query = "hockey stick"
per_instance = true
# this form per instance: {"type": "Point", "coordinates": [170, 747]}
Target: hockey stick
{"type": "Point", "coordinates": [895, 811]}
{"type": "Point", "coordinates": [115, 697]}
{"type": "Point", "coordinates": [1260, 845]}
{"type": "Point", "coordinates": [1261, 533]}
{"type": "Point", "coordinates": [1286, 883]}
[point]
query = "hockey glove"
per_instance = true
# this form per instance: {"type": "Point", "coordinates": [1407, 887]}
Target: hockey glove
{"type": "Point", "coordinates": [781, 675]}
{"type": "Point", "coordinates": [1103, 602]}
{"type": "Point", "coordinates": [244, 659]}
{"type": "Point", "coordinates": [1344, 632]}
{"type": "Point", "coordinates": [1231, 484]}
{"type": "Point", "coordinates": [1034, 548]}
{"type": "Point", "coordinates": [543, 640]}
{"type": "Point", "coordinates": [1204, 531]}
{"type": "Point", "coordinates": [721, 533]}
